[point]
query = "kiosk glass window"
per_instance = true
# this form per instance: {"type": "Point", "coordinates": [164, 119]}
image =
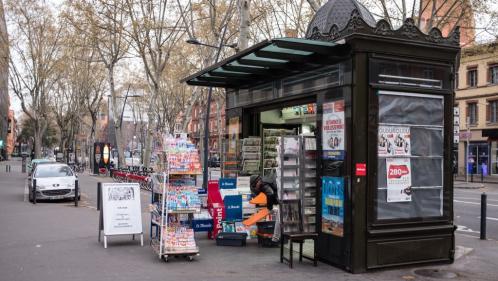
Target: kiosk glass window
{"type": "Point", "coordinates": [410, 156]}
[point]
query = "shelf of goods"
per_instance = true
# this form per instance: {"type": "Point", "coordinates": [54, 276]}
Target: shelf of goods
{"type": "Point", "coordinates": [251, 153]}
{"type": "Point", "coordinates": [270, 154]}
{"type": "Point", "coordinates": [175, 200]}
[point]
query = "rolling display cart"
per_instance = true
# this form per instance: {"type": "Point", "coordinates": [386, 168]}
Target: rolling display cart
{"type": "Point", "coordinates": [174, 202]}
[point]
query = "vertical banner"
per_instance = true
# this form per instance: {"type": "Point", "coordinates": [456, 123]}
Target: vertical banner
{"type": "Point", "coordinates": [233, 207]}
{"type": "Point", "coordinates": [399, 180]}
{"type": "Point", "coordinates": [333, 206]}
{"type": "Point", "coordinates": [333, 130]}
{"type": "Point", "coordinates": [394, 141]}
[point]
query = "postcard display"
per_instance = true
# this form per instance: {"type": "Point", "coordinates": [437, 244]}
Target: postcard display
{"type": "Point", "coordinates": [296, 181]}
{"type": "Point", "coordinates": [270, 144]}
{"type": "Point", "coordinates": [176, 200]}
{"type": "Point", "coordinates": [251, 152]}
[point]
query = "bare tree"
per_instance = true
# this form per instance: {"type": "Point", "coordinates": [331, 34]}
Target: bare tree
{"type": "Point", "coordinates": [35, 53]}
{"type": "Point", "coordinates": [155, 30]}
{"type": "Point", "coordinates": [477, 18]}
{"type": "Point", "coordinates": [104, 21]}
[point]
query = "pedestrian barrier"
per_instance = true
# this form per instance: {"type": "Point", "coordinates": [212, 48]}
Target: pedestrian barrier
{"type": "Point", "coordinates": [125, 176]}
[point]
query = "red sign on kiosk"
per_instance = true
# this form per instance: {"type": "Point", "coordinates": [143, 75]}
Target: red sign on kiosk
{"type": "Point", "coordinates": [215, 207]}
{"type": "Point", "coordinates": [361, 169]}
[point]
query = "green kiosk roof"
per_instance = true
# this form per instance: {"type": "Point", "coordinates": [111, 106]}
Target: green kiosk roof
{"type": "Point", "coordinates": [267, 61]}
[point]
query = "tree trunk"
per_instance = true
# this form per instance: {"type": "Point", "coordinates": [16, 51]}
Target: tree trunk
{"type": "Point", "coordinates": [150, 127]}
{"type": "Point", "coordinates": [245, 22]}
{"type": "Point", "coordinates": [116, 117]}
{"type": "Point", "coordinates": [37, 142]}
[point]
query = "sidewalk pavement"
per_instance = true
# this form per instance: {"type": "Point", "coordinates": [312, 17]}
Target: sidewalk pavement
{"type": "Point", "coordinates": [58, 242]}
{"type": "Point", "coordinates": [477, 179]}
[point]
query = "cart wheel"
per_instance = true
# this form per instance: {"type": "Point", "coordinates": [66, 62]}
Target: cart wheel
{"type": "Point", "coordinates": [190, 258]}
{"type": "Point", "coordinates": [165, 258]}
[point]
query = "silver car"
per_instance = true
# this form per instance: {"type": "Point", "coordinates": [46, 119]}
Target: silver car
{"type": "Point", "coordinates": [53, 181]}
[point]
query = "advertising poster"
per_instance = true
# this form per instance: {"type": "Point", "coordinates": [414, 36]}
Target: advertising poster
{"type": "Point", "coordinates": [394, 141]}
{"type": "Point", "coordinates": [121, 208]}
{"type": "Point", "coordinates": [333, 206]}
{"type": "Point", "coordinates": [333, 133]}
{"type": "Point", "coordinates": [233, 134]}
{"type": "Point", "coordinates": [399, 180]}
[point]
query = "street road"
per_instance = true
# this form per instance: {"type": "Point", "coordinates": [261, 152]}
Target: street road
{"type": "Point", "coordinates": [467, 206]}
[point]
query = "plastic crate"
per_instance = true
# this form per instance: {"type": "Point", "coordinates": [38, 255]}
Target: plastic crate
{"type": "Point", "coordinates": [266, 227]}
{"type": "Point", "coordinates": [231, 239]}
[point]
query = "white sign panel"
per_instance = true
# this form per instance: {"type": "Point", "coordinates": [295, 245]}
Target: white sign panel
{"type": "Point", "coordinates": [399, 179]}
{"type": "Point", "coordinates": [244, 184]}
{"type": "Point", "coordinates": [394, 140]}
{"type": "Point", "coordinates": [122, 212]}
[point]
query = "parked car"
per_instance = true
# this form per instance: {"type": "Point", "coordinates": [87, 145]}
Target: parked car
{"type": "Point", "coordinates": [53, 181]}
{"type": "Point", "coordinates": [32, 165]}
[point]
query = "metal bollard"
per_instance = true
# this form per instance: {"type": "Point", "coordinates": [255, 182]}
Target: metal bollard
{"type": "Point", "coordinates": [482, 176]}
{"type": "Point", "coordinates": [483, 215]}
{"type": "Point", "coordinates": [472, 177]}
{"type": "Point", "coordinates": [76, 191]}
{"type": "Point", "coordinates": [34, 191]}
{"type": "Point", "coordinates": [99, 194]}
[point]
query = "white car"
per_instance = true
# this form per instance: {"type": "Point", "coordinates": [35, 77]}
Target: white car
{"type": "Point", "coordinates": [53, 181]}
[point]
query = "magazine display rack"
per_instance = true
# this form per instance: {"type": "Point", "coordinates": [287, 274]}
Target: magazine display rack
{"type": "Point", "coordinates": [175, 201]}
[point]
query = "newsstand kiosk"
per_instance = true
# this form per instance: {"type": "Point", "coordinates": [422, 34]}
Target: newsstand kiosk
{"type": "Point", "coordinates": [379, 102]}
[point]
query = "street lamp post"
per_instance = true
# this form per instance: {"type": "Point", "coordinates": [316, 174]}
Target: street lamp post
{"type": "Point", "coordinates": [208, 109]}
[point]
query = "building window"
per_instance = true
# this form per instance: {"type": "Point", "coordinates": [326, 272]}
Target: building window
{"type": "Point", "coordinates": [472, 77]}
{"type": "Point", "coordinates": [493, 74]}
{"type": "Point", "coordinates": [472, 113]}
{"type": "Point", "coordinates": [492, 111]}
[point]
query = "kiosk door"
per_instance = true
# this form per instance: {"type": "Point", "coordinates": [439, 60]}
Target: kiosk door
{"type": "Point", "coordinates": [333, 226]}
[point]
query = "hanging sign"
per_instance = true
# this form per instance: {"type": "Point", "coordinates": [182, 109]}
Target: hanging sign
{"type": "Point", "coordinates": [227, 183]}
{"type": "Point", "coordinates": [394, 141]}
{"type": "Point", "coordinates": [333, 130]}
{"type": "Point", "coordinates": [121, 212]}
{"type": "Point", "coordinates": [399, 180]}
{"type": "Point", "coordinates": [333, 206]}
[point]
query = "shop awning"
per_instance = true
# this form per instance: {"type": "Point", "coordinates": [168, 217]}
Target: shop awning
{"type": "Point", "coordinates": [267, 61]}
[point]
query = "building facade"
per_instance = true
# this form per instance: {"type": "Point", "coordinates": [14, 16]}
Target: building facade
{"type": "Point", "coordinates": [11, 134]}
{"type": "Point", "coordinates": [217, 125]}
{"type": "Point", "coordinates": [477, 101]}
{"type": "Point", "coordinates": [4, 78]}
